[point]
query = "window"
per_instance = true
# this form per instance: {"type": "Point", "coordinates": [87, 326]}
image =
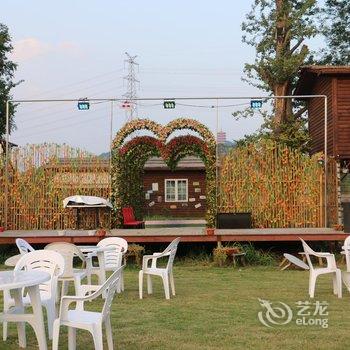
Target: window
{"type": "Point", "coordinates": [176, 190]}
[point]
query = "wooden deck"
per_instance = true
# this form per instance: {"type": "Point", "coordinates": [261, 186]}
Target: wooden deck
{"type": "Point", "coordinates": [187, 234]}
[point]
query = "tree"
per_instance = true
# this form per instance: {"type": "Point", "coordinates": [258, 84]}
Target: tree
{"type": "Point", "coordinates": [336, 32]}
{"type": "Point", "coordinates": [7, 70]}
{"type": "Point", "coordinates": [277, 29]}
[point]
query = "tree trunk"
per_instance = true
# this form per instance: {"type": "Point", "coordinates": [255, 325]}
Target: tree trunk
{"type": "Point", "coordinates": [283, 107]}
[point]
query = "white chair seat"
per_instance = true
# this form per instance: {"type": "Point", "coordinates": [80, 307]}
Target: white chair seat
{"type": "Point", "coordinates": [82, 317]}
{"type": "Point", "coordinates": [80, 273]}
{"type": "Point", "coordinates": [155, 271]}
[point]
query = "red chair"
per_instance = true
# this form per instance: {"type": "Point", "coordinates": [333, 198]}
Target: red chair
{"type": "Point", "coordinates": [129, 219]}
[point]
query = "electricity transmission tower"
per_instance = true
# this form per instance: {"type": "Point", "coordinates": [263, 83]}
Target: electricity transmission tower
{"type": "Point", "coordinates": [131, 94]}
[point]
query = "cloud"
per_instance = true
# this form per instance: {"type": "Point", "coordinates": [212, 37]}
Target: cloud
{"type": "Point", "coordinates": [30, 48]}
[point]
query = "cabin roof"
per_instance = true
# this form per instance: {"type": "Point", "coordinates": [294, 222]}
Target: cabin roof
{"type": "Point", "coordinates": [154, 163]}
{"type": "Point", "coordinates": [186, 163]}
{"type": "Point", "coordinates": [309, 74]}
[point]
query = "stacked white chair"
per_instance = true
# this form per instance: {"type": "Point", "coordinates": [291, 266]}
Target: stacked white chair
{"type": "Point", "coordinates": [69, 251]}
{"type": "Point", "coordinates": [40, 260]}
{"type": "Point", "coordinates": [166, 273]}
{"type": "Point", "coordinates": [87, 320]}
{"type": "Point", "coordinates": [112, 259]}
{"type": "Point", "coordinates": [331, 268]}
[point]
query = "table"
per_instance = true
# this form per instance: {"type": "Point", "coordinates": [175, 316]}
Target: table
{"type": "Point", "coordinates": [12, 261]}
{"type": "Point", "coordinates": [294, 260]}
{"type": "Point", "coordinates": [15, 282]}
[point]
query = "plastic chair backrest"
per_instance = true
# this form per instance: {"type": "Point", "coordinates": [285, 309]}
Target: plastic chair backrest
{"type": "Point", "coordinates": [113, 258]}
{"type": "Point", "coordinates": [172, 248]}
{"type": "Point", "coordinates": [112, 284]}
{"type": "Point", "coordinates": [23, 246]}
{"type": "Point", "coordinates": [43, 260]}
{"type": "Point", "coordinates": [347, 253]}
{"type": "Point", "coordinates": [128, 214]}
{"type": "Point", "coordinates": [308, 251]}
{"type": "Point", "coordinates": [347, 242]}
{"type": "Point", "coordinates": [68, 251]}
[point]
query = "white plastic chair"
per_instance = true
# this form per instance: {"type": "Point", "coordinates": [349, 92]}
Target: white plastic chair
{"type": "Point", "coordinates": [23, 246]}
{"type": "Point", "coordinates": [88, 320]}
{"type": "Point", "coordinates": [42, 260]}
{"type": "Point", "coordinates": [165, 272]}
{"type": "Point", "coordinates": [315, 272]}
{"type": "Point", "coordinates": [113, 259]}
{"type": "Point", "coordinates": [69, 251]}
{"type": "Point", "coordinates": [346, 252]}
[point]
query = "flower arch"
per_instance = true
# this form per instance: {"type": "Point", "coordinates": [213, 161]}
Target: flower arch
{"type": "Point", "coordinates": [128, 160]}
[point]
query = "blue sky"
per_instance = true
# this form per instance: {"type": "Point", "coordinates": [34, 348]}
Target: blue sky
{"type": "Point", "coordinates": [73, 49]}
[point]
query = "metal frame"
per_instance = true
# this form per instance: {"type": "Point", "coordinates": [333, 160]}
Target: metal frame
{"type": "Point", "coordinates": [217, 98]}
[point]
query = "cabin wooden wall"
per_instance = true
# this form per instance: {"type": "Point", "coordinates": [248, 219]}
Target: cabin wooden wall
{"type": "Point", "coordinates": [157, 206]}
{"type": "Point", "coordinates": [323, 86]}
{"type": "Point", "coordinates": [342, 116]}
{"type": "Point", "coordinates": [337, 88]}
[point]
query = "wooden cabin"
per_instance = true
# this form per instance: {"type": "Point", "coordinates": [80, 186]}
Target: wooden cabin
{"type": "Point", "coordinates": [178, 193]}
{"type": "Point", "coordinates": [334, 82]}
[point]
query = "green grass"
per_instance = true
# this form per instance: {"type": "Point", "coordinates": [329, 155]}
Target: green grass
{"type": "Point", "coordinates": [215, 308]}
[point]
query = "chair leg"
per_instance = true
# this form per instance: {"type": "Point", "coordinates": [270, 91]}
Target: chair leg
{"type": "Point", "coordinates": [166, 285]}
{"type": "Point", "coordinates": [335, 283]}
{"type": "Point", "coordinates": [51, 315]}
{"type": "Point", "coordinates": [339, 284]}
{"type": "Point", "coordinates": [122, 281]}
{"type": "Point", "coordinates": [64, 288]}
{"type": "Point", "coordinates": [7, 298]}
{"type": "Point", "coordinates": [149, 284]}
{"type": "Point", "coordinates": [4, 331]}
{"type": "Point", "coordinates": [72, 338]}
{"type": "Point", "coordinates": [172, 283]}
{"type": "Point", "coordinates": [98, 337]}
{"type": "Point", "coordinates": [140, 283]}
{"type": "Point", "coordinates": [77, 285]}
{"type": "Point", "coordinates": [109, 333]}
{"type": "Point", "coordinates": [55, 334]}
{"type": "Point", "coordinates": [312, 285]}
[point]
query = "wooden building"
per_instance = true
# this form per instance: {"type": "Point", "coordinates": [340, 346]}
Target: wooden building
{"type": "Point", "coordinates": [334, 82]}
{"type": "Point", "coordinates": [178, 193]}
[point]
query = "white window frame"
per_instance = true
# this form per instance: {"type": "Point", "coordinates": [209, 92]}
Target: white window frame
{"type": "Point", "coordinates": [176, 191]}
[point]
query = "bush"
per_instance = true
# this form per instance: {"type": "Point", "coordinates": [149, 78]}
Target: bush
{"type": "Point", "coordinates": [258, 257]}
{"type": "Point", "coordinates": [219, 257]}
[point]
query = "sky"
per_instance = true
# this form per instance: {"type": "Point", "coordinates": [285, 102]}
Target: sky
{"type": "Point", "coordinates": [75, 49]}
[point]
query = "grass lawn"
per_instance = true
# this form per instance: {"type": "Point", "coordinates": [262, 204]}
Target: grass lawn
{"type": "Point", "coordinates": [216, 308]}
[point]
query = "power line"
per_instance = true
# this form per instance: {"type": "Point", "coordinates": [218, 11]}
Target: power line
{"type": "Point", "coordinates": [59, 127]}
{"type": "Point", "coordinates": [70, 116]}
{"type": "Point", "coordinates": [78, 82]}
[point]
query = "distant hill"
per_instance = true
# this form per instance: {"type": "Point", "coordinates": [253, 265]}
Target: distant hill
{"type": "Point", "coordinates": [105, 155]}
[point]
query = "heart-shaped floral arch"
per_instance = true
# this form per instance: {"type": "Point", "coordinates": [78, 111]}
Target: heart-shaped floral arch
{"type": "Point", "coordinates": [128, 160]}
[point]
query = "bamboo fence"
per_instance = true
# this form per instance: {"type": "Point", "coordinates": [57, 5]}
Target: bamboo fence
{"type": "Point", "coordinates": [281, 187]}
{"type": "Point", "coordinates": [41, 176]}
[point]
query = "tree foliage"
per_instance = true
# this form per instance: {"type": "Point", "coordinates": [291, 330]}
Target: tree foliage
{"type": "Point", "coordinates": [278, 31]}
{"type": "Point", "coordinates": [7, 70]}
{"type": "Point", "coordinates": [336, 24]}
